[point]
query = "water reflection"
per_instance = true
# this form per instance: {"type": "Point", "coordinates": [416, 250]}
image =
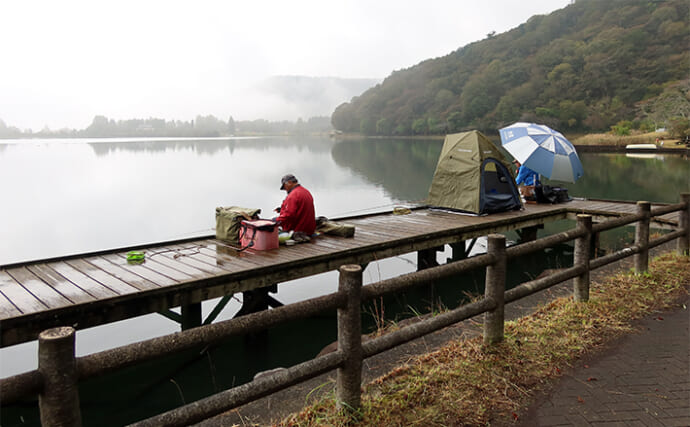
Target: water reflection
{"type": "Point", "coordinates": [619, 177]}
{"type": "Point", "coordinates": [79, 197]}
{"type": "Point", "coordinates": [212, 146]}
{"type": "Point", "coordinates": [404, 168]}
{"type": "Point", "coordinates": [646, 156]}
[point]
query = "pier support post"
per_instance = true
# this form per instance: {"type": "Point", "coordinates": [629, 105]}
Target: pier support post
{"type": "Point", "coordinates": [684, 222]}
{"type": "Point", "coordinates": [59, 400]}
{"type": "Point", "coordinates": [495, 287]}
{"type": "Point", "coordinates": [529, 234]}
{"type": "Point", "coordinates": [581, 257]}
{"type": "Point", "coordinates": [458, 251]}
{"type": "Point", "coordinates": [642, 237]}
{"type": "Point", "coordinates": [258, 299]}
{"type": "Point", "coordinates": [426, 258]}
{"type": "Point", "coordinates": [349, 376]}
{"type": "Point", "coordinates": [191, 314]}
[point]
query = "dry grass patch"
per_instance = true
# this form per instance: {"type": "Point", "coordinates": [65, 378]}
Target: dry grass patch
{"type": "Point", "coordinates": [465, 383]}
{"type": "Point", "coordinates": [623, 140]}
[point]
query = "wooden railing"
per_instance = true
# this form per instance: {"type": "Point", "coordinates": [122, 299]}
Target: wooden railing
{"type": "Point", "coordinates": [56, 381]}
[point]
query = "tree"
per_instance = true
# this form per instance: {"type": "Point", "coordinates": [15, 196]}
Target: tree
{"type": "Point", "coordinates": [344, 118]}
{"type": "Point", "coordinates": [454, 121]}
{"type": "Point", "coordinates": [100, 126]}
{"type": "Point", "coordinates": [403, 128]}
{"type": "Point", "coordinates": [231, 126]}
{"type": "Point", "coordinates": [679, 127]}
{"type": "Point", "coordinates": [384, 127]}
{"type": "Point", "coordinates": [8, 131]}
{"type": "Point", "coordinates": [210, 126]}
{"type": "Point", "coordinates": [673, 102]}
{"type": "Point", "coordinates": [367, 126]}
{"type": "Point", "coordinates": [420, 127]}
{"type": "Point", "coordinates": [572, 113]}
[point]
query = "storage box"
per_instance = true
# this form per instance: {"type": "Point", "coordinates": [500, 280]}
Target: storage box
{"type": "Point", "coordinates": [260, 234]}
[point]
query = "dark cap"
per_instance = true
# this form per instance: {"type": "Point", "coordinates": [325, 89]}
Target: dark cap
{"type": "Point", "coordinates": [287, 178]}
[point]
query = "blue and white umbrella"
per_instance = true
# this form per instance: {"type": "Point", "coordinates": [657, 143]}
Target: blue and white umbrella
{"type": "Point", "coordinates": [543, 150]}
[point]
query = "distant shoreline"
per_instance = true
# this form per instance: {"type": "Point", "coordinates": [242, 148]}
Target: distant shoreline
{"type": "Point", "coordinates": [622, 149]}
{"type": "Point", "coordinates": [593, 143]}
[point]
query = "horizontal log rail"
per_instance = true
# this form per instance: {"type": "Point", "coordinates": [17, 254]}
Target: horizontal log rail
{"type": "Point", "coordinates": [59, 372]}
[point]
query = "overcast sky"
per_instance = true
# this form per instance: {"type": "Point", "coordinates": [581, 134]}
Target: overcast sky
{"type": "Point", "coordinates": [63, 62]}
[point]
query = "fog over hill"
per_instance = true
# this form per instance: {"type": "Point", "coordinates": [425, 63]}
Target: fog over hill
{"type": "Point", "coordinates": [275, 99]}
{"type": "Point", "coordinates": [292, 97]}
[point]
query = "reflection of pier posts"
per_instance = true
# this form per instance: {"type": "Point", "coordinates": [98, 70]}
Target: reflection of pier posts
{"type": "Point", "coordinates": [529, 234]}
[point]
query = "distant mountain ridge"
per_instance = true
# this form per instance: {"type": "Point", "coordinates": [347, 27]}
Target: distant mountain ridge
{"type": "Point", "coordinates": [585, 67]}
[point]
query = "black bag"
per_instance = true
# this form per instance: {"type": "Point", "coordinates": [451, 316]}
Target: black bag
{"type": "Point", "coordinates": [549, 194]}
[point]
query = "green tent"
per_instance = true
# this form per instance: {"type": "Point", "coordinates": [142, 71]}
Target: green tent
{"type": "Point", "coordinates": [473, 176]}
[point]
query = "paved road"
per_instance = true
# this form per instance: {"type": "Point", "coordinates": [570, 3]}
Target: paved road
{"type": "Point", "coordinates": [641, 380]}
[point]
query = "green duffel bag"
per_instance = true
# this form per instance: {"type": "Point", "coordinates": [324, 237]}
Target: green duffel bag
{"type": "Point", "coordinates": [228, 221]}
{"type": "Point", "coordinates": [333, 228]}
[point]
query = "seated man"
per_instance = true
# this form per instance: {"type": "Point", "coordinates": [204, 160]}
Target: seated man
{"type": "Point", "coordinates": [526, 176]}
{"type": "Point", "coordinates": [526, 180]}
{"type": "Point", "coordinates": [296, 213]}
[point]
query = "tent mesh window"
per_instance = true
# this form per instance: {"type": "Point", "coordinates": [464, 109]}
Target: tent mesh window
{"type": "Point", "coordinates": [498, 192]}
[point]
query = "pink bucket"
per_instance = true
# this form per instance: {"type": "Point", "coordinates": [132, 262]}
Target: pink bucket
{"type": "Point", "coordinates": [259, 234]}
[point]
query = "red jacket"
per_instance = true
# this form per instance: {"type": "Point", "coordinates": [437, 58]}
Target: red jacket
{"type": "Point", "coordinates": [297, 211]}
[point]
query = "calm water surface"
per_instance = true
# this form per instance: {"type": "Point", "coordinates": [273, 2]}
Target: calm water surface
{"type": "Point", "coordinates": [74, 196]}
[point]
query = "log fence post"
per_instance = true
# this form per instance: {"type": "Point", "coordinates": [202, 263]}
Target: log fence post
{"type": "Point", "coordinates": [349, 375]}
{"type": "Point", "coordinates": [581, 257]}
{"type": "Point", "coordinates": [684, 223]}
{"type": "Point", "coordinates": [494, 289]}
{"type": "Point", "coordinates": [58, 402]}
{"type": "Point", "coordinates": [642, 238]}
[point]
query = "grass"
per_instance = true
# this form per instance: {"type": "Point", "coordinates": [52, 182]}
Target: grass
{"type": "Point", "coordinates": [464, 383]}
{"type": "Point", "coordinates": [618, 140]}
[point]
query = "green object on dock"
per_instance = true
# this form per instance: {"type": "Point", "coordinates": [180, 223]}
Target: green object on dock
{"type": "Point", "coordinates": [284, 236]}
{"type": "Point", "coordinates": [135, 257]}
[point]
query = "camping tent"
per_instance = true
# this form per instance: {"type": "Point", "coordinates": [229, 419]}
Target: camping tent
{"type": "Point", "coordinates": [473, 176]}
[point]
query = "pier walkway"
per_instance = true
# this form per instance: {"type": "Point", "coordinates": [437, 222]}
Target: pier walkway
{"type": "Point", "coordinates": [96, 288]}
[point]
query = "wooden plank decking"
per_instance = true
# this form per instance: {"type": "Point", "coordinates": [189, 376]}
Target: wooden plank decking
{"type": "Point", "coordinates": [97, 288]}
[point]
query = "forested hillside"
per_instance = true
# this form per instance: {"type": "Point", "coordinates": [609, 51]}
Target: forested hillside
{"type": "Point", "coordinates": [585, 67]}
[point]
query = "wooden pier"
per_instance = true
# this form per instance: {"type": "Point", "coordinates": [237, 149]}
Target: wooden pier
{"type": "Point", "coordinates": [96, 288]}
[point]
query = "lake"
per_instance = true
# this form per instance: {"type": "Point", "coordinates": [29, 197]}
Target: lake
{"type": "Point", "coordinates": [62, 197]}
